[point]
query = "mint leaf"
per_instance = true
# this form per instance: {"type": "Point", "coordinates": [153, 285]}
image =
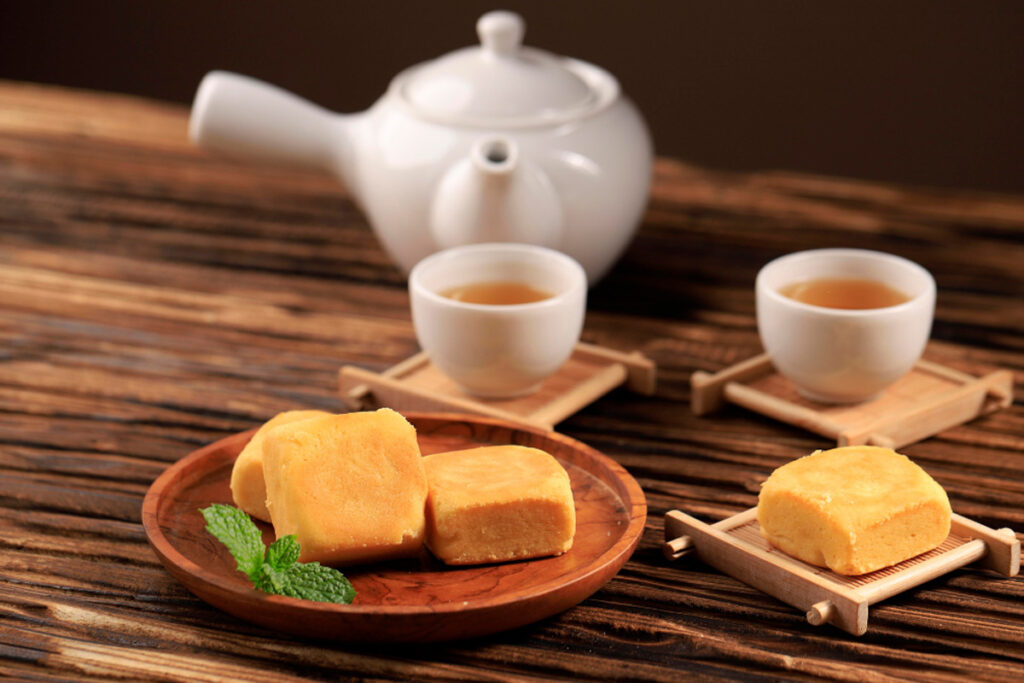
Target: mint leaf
{"type": "Point", "coordinates": [236, 530]}
{"type": "Point", "coordinates": [271, 580]}
{"type": "Point", "coordinates": [275, 570]}
{"type": "Point", "coordinates": [313, 581]}
{"type": "Point", "coordinates": [283, 552]}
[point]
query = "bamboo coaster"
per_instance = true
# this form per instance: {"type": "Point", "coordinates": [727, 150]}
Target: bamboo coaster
{"type": "Point", "coordinates": [925, 401]}
{"type": "Point", "coordinates": [736, 547]}
{"type": "Point", "coordinates": [415, 384]}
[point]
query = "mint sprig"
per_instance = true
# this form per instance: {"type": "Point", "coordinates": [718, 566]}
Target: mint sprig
{"type": "Point", "coordinates": [275, 570]}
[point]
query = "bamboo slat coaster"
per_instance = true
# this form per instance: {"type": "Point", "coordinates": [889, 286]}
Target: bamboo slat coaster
{"type": "Point", "coordinates": [736, 547]}
{"type": "Point", "coordinates": [925, 401]}
{"type": "Point", "coordinates": [415, 384]}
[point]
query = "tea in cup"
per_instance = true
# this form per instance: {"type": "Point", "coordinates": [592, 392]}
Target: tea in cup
{"type": "Point", "coordinates": [844, 324]}
{"type": "Point", "coordinates": [498, 318]}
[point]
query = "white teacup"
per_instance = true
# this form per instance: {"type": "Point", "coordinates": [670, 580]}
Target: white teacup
{"type": "Point", "coordinates": [836, 355]}
{"type": "Point", "coordinates": [498, 350]}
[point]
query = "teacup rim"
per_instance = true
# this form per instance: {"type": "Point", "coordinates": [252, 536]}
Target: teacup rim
{"type": "Point", "coordinates": [929, 290]}
{"type": "Point", "coordinates": [579, 281]}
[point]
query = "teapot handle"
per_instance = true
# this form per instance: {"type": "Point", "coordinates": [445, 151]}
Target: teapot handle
{"type": "Point", "coordinates": [246, 117]}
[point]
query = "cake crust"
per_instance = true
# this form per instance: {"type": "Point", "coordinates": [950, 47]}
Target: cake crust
{"type": "Point", "coordinates": [854, 509]}
{"type": "Point", "coordinates": [498, 503]}
{"type": "Point", "coordinates": [248, 487]}
{"type": "Point", "coordinates": [350, 487]}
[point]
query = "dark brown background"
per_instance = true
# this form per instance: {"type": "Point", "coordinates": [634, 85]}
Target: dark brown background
{"type": "Point", "coordinates": [911, 91]}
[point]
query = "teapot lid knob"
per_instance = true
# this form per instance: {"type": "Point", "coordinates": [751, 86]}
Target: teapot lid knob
{"type": "Point", "coordinates": [501, 32]}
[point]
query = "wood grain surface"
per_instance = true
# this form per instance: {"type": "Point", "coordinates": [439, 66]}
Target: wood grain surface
{"type": "Point", "coordinates": [154, 299]}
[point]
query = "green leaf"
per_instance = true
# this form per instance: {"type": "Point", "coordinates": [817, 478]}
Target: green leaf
{"type": "Point", "coordinates": [236, 530]}
{"type": "Point", "coordinates": [263, 582]}
{"type": "Point", "coordinates": [271, 580]}
{"type": "Point", "coordinates": [283, 552]}
{"type": "Point", "coordinates": [275, 570]}
{"type": "Point", "coordinates": [313, 581]}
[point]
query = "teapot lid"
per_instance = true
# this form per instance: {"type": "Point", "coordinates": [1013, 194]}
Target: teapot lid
{"type": "Point", "coordinates": [502, 83]}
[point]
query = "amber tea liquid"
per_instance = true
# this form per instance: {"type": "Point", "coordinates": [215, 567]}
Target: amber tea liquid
{"type": "Point", "coordinates": [500, 293]}
{"type": "Point", "coordinates": [847, 293]}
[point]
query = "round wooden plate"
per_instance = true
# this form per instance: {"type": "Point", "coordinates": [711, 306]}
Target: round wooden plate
{"type": "Point", "coordinates": [414, 600]}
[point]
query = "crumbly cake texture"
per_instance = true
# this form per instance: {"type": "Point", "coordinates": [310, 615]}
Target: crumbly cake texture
{"type": "Point", "coordinates": [854, 509]}
{"type": "Point", "coordinates": [248, 487]}
{"type": "Point", "coordinates": [350, 487]}
{"type": "Point", "coordinates": [498, 503]}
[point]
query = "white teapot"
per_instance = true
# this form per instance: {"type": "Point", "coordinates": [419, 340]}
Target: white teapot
{"type": "Point", "coordinates": [492, 143]}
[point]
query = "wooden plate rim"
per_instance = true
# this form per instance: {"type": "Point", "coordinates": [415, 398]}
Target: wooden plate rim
{"type": "Point", "coordinates": [630, 493]}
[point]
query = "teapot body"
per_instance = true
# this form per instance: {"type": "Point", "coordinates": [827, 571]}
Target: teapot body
{"type": "Point", "coordinates": [599, 168]}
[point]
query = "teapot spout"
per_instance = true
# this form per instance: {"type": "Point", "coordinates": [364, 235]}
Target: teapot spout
{"type": "Point", "coordinates": [494, 195]}
{"type": "Point", "coordinates": [245, 117]}
{"type": "Point", "coordinates": [495, 156]}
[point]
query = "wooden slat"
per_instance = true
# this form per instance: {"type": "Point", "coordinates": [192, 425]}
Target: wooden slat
{"type": "Point", "coordinates": [154, 298]}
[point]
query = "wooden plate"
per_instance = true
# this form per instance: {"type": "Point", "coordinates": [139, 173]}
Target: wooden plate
{"type": "Point", "coordinates": [413, 600]}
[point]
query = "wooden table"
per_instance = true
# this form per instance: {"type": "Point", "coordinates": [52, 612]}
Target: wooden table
{"type": "Point", "coordinates": [154, 299]}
